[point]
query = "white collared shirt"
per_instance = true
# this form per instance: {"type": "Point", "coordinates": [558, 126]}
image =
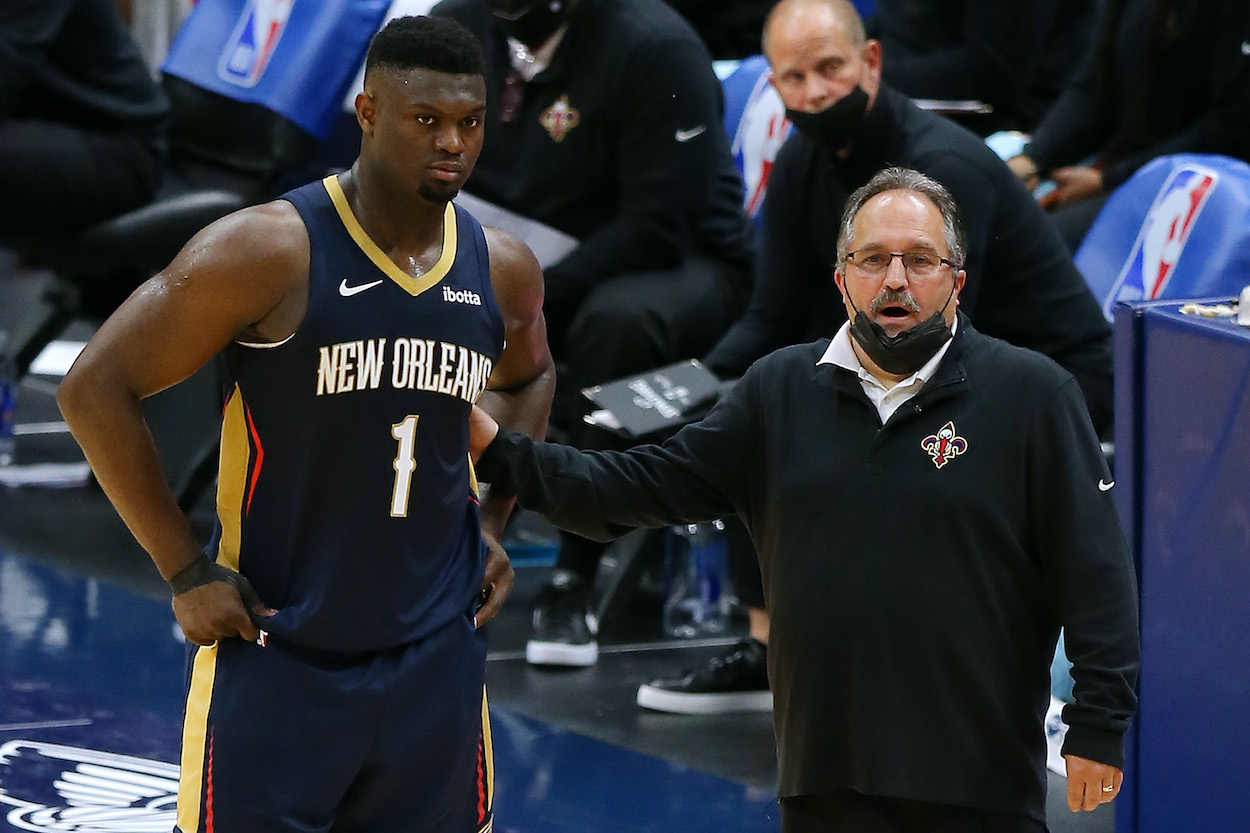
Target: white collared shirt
{"type": "Point", "coordinates": [886, 399]}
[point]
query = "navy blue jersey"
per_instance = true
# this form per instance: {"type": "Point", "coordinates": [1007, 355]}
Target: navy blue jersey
{"type": "Point", "coordinates": [346, 493]}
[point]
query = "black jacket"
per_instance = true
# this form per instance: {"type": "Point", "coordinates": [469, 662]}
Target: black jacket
{"type": "Point", "coordinates": [914, 607]}
{"type": "Point", "coordinates": [1022, 286]}
{"type": "Point", "coordinates": [730, 28]}
{"type": "Point", "coordinates": [1013, 56]}
{"type": "Point", "coordinates": [1178, 83]}
{"type": "Point", "coordinates": [73, 62]}
{"type": "Point", "coordinates": [644, 178]}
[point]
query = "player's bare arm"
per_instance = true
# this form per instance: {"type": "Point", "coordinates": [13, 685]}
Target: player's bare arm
{"type": "Point", "coordinates": [520, 389]}
{"type": "Point", "coordinates": [243, 276]}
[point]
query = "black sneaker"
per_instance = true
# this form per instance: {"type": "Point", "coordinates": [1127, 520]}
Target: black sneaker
{"type": "Point", "coordinates": [736, 681]}
{"type": "Point", "coordinates": [564, 629]}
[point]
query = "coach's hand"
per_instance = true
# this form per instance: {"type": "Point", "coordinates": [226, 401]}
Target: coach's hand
{"type": "Point", "coordinates": [1091, 783]}
{"type": "Point", "coordinates": [211, 602]}
{"type": "Point", "coordinates": [497, 583]}
{"type": "Point", "coordinates": [482, 429]}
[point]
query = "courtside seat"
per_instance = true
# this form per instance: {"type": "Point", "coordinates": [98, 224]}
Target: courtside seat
{"type": "Point", "coordinates": [1178, 228]}
{"type": "Point", "coordinates": [96, 269]}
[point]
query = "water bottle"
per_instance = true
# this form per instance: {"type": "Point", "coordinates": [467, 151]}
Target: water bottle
{"type": "Point", "coordinates": [697, 572]}
{"type": "Point", "coordinates": [8, 401]}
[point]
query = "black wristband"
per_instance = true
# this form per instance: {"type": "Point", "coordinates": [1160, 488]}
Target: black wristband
{"type": "Point", "coordinates": [198, 572]}
{"type": "Point", "coordinates": [205, 571]}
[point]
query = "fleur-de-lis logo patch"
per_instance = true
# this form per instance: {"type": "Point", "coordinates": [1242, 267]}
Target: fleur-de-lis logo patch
{"type": "Point", "coordinates": [560, 118]}
{"type": "Point", "coordinates": [945, 445]}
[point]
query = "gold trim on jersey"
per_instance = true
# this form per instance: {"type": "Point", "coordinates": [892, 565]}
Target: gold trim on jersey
{"type": "Point", "coordinates": [413, 286]}
{"type": "Point", "coordinates": [473, 487]}
{"type": "Point", "coordinates": [195, 739]}
{"type": "Point", "coordinates": [488, 752]}
{"type": "Point", "coordinates": [232, 479]}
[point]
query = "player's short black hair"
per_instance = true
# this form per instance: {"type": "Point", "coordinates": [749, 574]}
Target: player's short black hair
{"type": "Point", "coordinates": [436, 43]}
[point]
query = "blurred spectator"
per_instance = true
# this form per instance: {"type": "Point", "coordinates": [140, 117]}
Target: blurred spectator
{"type": "Point", "coordinates": [82, 123]}
{"type": "Point", "coordinates": [1021, 286]}
{"type": "Point", "coordinates": [1013, 56]}
{"type": "Point", "coordinates": [730, 28]}
{"type": "Point", "coordinates": [604, 122]}
{"type": "Point", "coordinates": [1160, 77]}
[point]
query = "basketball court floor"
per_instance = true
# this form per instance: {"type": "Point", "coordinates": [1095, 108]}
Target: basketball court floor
{"type": "Point", "coordinates": [91, 671]}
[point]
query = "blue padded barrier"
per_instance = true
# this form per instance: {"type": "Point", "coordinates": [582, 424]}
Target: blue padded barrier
{"type": "Point", "coordinates": [296, 59]}
{"type": "Point", "coordinates": [756, 123]}
{"type": "Point", "coordinates": [1179, 228]}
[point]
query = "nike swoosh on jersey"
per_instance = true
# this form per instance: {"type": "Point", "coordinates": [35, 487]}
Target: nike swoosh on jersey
{"type": "Point", "coordinates": [1104, 486]}
{"type": "Point", "coordinates": [687, 135]}
{"type": "Point", "coordinates": [348, 291]}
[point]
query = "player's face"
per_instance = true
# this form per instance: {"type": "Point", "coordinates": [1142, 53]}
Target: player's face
{"type": "Point", "coordinates": [814, 63]}
{"type": "Point", "coordinates": [425, 127]}
{"type": "Point", "coordinates": [899, 221]}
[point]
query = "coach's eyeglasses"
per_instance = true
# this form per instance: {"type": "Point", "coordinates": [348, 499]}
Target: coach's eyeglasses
{"type": "Point", "coordinates": [919, 264]}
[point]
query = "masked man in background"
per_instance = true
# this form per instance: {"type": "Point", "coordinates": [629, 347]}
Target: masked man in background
{"type": "Point", "coordinates": [603, 121]}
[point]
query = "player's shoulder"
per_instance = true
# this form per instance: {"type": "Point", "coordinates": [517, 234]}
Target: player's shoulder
{"type": "Point", "coordinates": [507, 250]}
{"type": "Point", "coordinates": [515, 275]}
{"type": "Point", "coordinates": [263, 243]}
{"type": "Point", "coordinates": [270, 231]}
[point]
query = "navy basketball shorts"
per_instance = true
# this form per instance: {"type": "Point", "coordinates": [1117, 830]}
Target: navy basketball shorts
{"type": "Point", "coordinates": [281, 739]}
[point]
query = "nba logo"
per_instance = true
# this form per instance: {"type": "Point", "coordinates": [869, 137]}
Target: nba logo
{"type": "Point", "coordinates": [1152, 260]}
{"type": "Point", "coordinates": [761, 132]}
{"type": "Point", "coordinates": [253, 41]}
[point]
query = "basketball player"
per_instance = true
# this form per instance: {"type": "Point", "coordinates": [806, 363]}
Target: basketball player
{"type": "Point", "coordinates": [338, 685]}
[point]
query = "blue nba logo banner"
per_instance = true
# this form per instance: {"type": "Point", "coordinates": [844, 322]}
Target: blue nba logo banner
{"type": "Point", "coordinates": [755, 118]}
{"type": "Point", "coordinates": [252, 43]}
{"type": "Point", "coordinates": [294, 57]}
{"type": "Point", "coordinates": [1152, 261]}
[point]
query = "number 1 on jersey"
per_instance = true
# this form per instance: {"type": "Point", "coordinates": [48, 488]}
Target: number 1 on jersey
{"type": "Point", "coordinates": [405, 464]}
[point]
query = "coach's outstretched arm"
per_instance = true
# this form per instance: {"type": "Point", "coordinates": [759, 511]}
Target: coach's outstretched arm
{"type": "Point", "coordinates": [697, 475]}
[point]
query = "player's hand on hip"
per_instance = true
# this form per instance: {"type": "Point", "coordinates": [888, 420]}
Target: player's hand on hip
{"type": "Point", "coordinates": [1091, 783]}
{"type": "Point", "coordinates": [212, 602]}
{"type": "Point", "coordinates": [497, 583]}
{"type": "Point", "coordinates": [482, 429]}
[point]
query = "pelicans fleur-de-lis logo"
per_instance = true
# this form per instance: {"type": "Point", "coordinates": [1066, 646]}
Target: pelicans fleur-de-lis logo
{"type": "Point", "coordinates": [945, 445]}
{"type": "Point", "coordinates": [51, 787]}
{"type": "Point", "coordinates": [560, 118]}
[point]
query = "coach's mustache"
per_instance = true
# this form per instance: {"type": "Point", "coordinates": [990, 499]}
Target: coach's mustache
{"type": "Point", "coordinates": [892, 298]}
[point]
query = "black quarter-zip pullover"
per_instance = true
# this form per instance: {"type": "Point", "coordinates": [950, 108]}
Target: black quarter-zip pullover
{"type": "Point", "coordinates": [916, 573]}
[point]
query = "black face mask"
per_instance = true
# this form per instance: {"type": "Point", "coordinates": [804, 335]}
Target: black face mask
{"type": "Point", "coordinates": [530, 21]}
{"type": "Point", "coordinates": [907, 352]}
{"type": "Point", "coordinates": [835, 127]}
